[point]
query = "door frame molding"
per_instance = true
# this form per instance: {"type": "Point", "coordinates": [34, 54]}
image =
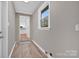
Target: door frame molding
{"type": "Point", "coordinates": [5, 29]}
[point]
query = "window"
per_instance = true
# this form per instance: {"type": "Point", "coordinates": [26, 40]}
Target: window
{"type": "Point", "coordinates": [44, 16]}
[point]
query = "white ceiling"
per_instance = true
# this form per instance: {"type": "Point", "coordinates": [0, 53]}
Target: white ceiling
{"type": "Point", "coordinates": [26, 8]}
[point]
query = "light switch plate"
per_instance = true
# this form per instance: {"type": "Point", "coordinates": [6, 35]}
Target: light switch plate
{"type": "Point", "coordinates": [77, 27]}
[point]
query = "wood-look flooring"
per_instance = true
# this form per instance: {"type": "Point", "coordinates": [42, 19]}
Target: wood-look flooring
{"type": "Point", "coordinates": [25, 50]}
{"type": "Point", "coordinates": [23, 37]}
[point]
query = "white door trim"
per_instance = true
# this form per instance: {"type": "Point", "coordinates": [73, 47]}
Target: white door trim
{"type": "Point", "coordinates": [0, 30]}
{"type": "Point", "coordinates": [5, 29]}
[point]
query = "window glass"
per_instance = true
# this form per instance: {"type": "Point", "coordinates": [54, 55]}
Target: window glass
{"type": "Point", "coordinates": [44, 17]}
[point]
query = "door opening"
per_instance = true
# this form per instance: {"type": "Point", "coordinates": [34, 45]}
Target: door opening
{"type": "Point", "coordinates": [24, 28]}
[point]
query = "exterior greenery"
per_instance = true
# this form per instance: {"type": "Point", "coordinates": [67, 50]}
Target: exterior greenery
{"type": "Point", "coordinates": [44, 22]}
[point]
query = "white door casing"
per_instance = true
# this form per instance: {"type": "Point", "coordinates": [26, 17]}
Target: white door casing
{"type": "Point", "coordinates": [0, 32]}
{"type": "Point", "coordinates": [3, 29]}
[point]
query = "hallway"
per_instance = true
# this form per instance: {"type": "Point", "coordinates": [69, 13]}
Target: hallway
{"type": "Point", "coordinates": [39, 29]}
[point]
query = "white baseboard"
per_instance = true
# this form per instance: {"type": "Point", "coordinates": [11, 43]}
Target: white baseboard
{"type": "Point", "coordinates": [12, 50]}
{"type": "Point", "coordinates": [41, 49]}
{"type": "Point", "coordinates": [38, 46]}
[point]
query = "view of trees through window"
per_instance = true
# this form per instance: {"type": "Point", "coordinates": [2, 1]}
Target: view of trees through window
{"type": "Point", "coordinates": [44, 17]}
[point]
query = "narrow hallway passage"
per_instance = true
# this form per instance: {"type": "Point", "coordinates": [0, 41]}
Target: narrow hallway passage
{"type": "Point", "coordinates": [26, 50]}
{"type": "Point", "coordinates": [39, 29]}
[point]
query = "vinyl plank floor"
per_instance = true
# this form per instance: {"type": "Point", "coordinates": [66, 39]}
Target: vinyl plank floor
{"type": "Point", "coordinates": [25, 50]}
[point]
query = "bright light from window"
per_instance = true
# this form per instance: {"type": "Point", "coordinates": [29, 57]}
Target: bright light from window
{"type": "Point", "coordinates": [26, 1]}
{"type": "Point", "coordinates": [45, 14]}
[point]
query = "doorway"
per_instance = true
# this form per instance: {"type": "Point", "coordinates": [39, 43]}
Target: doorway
{"type": "Point", "coordinates": [24, 28]}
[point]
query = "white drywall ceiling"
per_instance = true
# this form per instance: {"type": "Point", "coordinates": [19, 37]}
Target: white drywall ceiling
{"type": "Point", "coordinates": [26, 8]}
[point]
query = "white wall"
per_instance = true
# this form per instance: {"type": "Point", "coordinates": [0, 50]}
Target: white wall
{"type": "Point", "coordinates": [11, 28]}
{"type": "Point", "coordinates": [62, 40]}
